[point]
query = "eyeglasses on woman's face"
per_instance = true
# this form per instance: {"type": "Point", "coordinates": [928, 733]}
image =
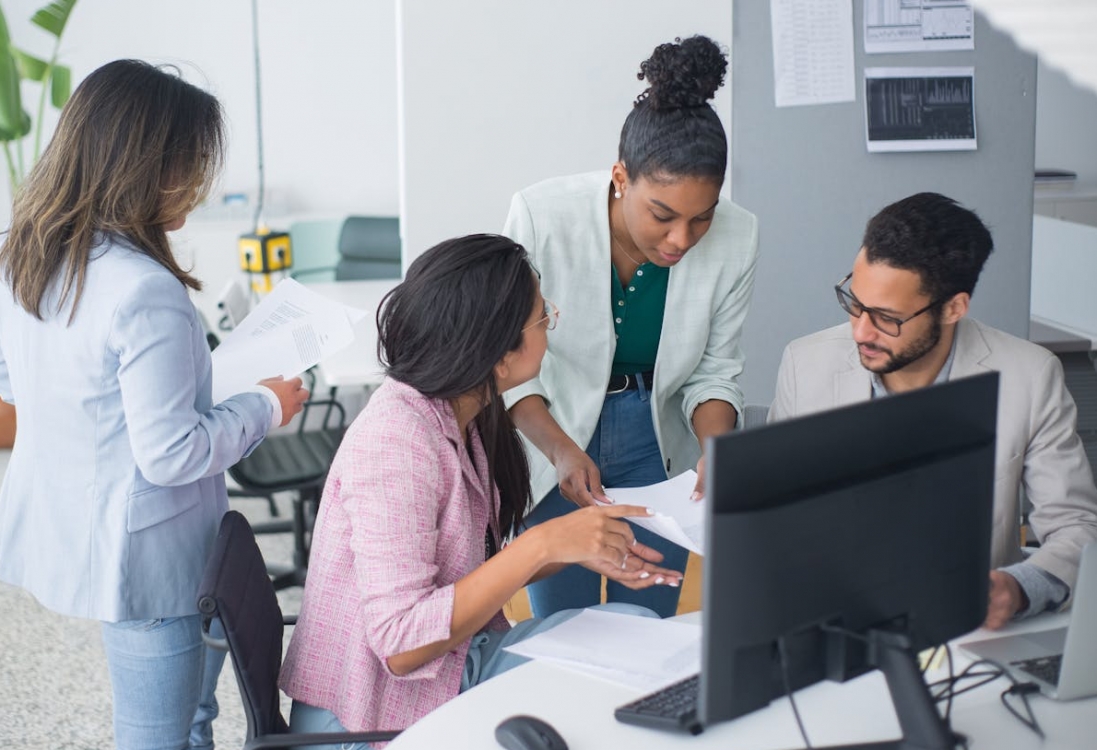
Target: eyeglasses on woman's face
{"type": "Point", "coordinates": [883, 322]}
{"type": "Point", "coordinates": [552, 314]}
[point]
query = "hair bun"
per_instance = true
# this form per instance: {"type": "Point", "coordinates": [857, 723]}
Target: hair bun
{"type": "Point", "coordinates": [685, 73]}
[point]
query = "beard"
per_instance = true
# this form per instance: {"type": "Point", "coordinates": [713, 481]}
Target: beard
{"type": "Point", "coordinates": [914, 352]}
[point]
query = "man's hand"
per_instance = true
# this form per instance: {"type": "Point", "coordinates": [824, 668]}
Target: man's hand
{"type": "Point", "coordinates": [1006, 599]}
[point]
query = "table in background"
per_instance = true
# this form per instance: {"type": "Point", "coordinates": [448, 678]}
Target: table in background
{"type": "Point", "coordinates": [356, 365]}
{"type": "Point", "coordinates": [581, 708]}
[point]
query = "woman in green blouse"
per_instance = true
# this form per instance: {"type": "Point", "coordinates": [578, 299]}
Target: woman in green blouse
{"type": "Point", "coordinates": [652, 271]}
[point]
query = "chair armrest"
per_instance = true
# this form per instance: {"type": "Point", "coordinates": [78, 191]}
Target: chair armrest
{"type": "Point", "coordinates": [325, 738]}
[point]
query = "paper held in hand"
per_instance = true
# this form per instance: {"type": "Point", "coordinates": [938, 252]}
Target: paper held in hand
{"type": "Point", "coordinates": [676, 518]}
{"type": "Point", "coordinates": [291, 330]}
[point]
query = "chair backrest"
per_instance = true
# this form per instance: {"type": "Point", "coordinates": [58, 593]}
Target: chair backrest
{"type": "Point", "coordinates": [237, 591]}
{"type": "Point", "coordinates": [754, 415]}
{"type": "Point", "coordinates": [369, 248]}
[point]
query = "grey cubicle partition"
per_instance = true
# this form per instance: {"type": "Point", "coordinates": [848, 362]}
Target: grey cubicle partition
{"type": "Point", "coordinates": [807, 175]}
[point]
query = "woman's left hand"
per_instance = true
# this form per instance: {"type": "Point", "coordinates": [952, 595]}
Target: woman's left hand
{"type": "Point", "coordinates": [638, 571]}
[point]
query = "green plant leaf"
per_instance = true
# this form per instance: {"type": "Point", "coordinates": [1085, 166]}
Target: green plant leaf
{"type": "Point", "coordinates": [54, 16]}
{"type": "Point", "coordinates": [11, 104]}
{"type": "Point", "coordinates": [8, 135]}
{"type": "Point", "coordinates": [30, 67]}
{"type": "Point", "coordinates": [60, 85]}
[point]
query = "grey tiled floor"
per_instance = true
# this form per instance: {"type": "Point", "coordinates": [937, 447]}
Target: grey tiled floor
{"type": "Point", "coordinates": [54, 688]}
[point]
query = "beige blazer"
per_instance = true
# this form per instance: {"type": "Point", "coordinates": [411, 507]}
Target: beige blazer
{"type": "Point", "coordinates": [564, 224]}
{"type": "Point", "coordinates": [1038, 447]}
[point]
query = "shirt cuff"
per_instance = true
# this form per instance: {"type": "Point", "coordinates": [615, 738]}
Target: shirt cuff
{"type": "Point", "coordinates": [1044, 591]}
{"type": "Point", "coordinates": [275, 404]}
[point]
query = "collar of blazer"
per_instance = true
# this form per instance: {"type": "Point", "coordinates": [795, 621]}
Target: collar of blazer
{"type": "Point", "coordinates": [854, 384]}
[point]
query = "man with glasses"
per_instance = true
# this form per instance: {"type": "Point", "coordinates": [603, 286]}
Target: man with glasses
{"type": "Point", "coordinates": [907, 299]}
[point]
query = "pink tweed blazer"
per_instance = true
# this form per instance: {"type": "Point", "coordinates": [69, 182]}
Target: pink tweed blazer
{"type": "Point", "coordinates": [402, 518]}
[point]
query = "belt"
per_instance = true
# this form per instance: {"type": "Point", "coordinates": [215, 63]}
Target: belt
{"type": "Point", "coordinates": [619, 383]}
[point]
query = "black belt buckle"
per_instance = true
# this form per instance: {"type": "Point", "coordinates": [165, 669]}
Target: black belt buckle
{"type": "Point", "coordinates": [613, 380]}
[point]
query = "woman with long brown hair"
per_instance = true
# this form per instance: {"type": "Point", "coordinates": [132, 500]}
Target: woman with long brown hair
{"type": "Point", "coordinates": [115, 488]}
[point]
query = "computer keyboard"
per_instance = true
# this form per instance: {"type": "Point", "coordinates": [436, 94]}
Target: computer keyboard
{"type": "Point", "coordinates": [1045, 668]}
{"type": "Point", "coordinates": [674, 708]}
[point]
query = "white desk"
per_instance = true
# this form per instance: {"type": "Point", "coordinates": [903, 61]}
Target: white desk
{"type": "Point", "coordinates": [1064, 276]}
{"type": "Point", "coordinates": [581, 709]}
{"type": "Point", "coordinates": [356, 365]}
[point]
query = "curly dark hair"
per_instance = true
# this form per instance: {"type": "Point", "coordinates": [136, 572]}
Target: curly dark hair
{"type": "Point", "coordinates": [934, 236]}
{"type": "Point", "coordinates": [672, 130]}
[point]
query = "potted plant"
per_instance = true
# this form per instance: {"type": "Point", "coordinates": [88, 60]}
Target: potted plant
{"type": "Point", "coordinates": [16, 66]}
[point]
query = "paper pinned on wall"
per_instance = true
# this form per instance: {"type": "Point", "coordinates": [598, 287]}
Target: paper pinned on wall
{"type": "Point", "coordinates": [926, 26]}
{"type": "Point", "coordinates": [920, 109]}
{"type": "Point", "coordinates": [812, 51]}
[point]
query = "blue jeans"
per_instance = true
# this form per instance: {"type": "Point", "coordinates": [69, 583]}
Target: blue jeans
{"type": "Point", "coordinates": [486, 659]}
{"type": "Point", "coordinates": [627, 454]}
{"type": "Point", "coordinates": [163, 679]}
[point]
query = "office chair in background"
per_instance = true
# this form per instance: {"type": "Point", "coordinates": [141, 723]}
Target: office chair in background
{"type": "Point", "coordinates": [298, 462]}
{"type": "Point", "coordinates": [754, 415]}
{"type": "Point", "coordinates": [368, 247]}
{"type": "Point", "coordinates": [237, 591]}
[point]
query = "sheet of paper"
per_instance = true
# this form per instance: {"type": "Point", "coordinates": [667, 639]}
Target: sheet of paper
{"type": "Point", "coordinates": [676, 518]}
{"type": "Point", "coordinates": [812, 51]}
{"type": "Point", "coordinates": [918, 25]}
{"type": "Point", "coordinates": [920, 109]}
{"type": "Point", "coordinates": [641, 652]}
{"type": "Point", "coordinates": [289, 331]}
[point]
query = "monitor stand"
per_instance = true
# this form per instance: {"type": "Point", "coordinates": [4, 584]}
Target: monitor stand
{"type": "Point", "coordinates": [921, 724]}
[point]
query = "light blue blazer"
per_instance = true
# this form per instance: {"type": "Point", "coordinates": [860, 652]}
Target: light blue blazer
{"type": "Point", "coordinates": [114, 491]}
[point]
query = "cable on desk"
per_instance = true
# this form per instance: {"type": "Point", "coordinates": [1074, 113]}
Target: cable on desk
{"type": "Point", "coordinates": [788, 690]}
{"type": "Point", "coordinates": [976, 670]}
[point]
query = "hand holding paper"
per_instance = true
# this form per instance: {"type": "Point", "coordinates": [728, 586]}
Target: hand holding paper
{"type": "Point", "coordinates": [291, 330]}
{"type": "Point", "coordinates": [677, 517]}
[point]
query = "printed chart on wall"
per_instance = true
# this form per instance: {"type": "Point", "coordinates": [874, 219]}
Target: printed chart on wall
{"type": "Point", "coordinates": [918, 26]}
{"type": "Point", "coordinates": [920, 109]}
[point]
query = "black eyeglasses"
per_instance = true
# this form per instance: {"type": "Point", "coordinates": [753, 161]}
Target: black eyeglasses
{"type": "Point", "coordinates": [884, 323]}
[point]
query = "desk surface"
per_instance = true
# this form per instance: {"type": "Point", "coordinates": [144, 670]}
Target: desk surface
{"type": "Point", "coordinates": [581, 707]}
{"type": "Point", "coordinates": [1055, 339]}
{"type": "Point", "coordinates": [356, 365]}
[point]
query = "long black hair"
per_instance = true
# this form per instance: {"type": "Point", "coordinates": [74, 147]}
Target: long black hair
{"type": "Point", "coordinates": [672, 130]}
{"type": "Point", "coordinates": [460, 309]}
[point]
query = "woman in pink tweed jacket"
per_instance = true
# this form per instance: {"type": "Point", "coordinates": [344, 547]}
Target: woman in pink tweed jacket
{"type": "Point", "coordinates": [403, 603]}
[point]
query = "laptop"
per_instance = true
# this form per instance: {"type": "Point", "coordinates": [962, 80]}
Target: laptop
{"type": "Point", "coordinates": [1062, 661]}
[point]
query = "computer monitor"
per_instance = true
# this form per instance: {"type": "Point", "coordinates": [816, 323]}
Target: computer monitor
{"type": "Point", "coordinates": [867, 523]}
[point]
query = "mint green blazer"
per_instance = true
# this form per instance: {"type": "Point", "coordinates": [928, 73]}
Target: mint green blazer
{"type": "Point", "coordinates": [564, 224]}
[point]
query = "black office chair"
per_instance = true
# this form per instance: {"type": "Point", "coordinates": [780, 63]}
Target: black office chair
{"type": "Point", "coordinates": [369, 248]}
{"type": "Point", "coordinates": [754, 415]}
{"type": "Point", "coordinates": [296, 461]}
{"type": "Point", "coordinates": [237, 591]}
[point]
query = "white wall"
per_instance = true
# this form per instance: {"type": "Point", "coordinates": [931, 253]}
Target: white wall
{"type": "Point", "coordinates": [328, 92]}
{"type": "Point", "coordinates": [1066, 125]}
{"type": "Point", "coordinates": [499, 94]}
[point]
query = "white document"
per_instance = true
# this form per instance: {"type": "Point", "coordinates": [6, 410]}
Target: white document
{"type": "Point", "coordinates": [641, 652]}
{"type": "Point", "coordinates": [918, 25]}
{"type": "Point", "coordinates": [812, 51]}
{"type": "Point", "coordinates": [291, 330]}
{"type": "Point", "coordinates": [676, 518]}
